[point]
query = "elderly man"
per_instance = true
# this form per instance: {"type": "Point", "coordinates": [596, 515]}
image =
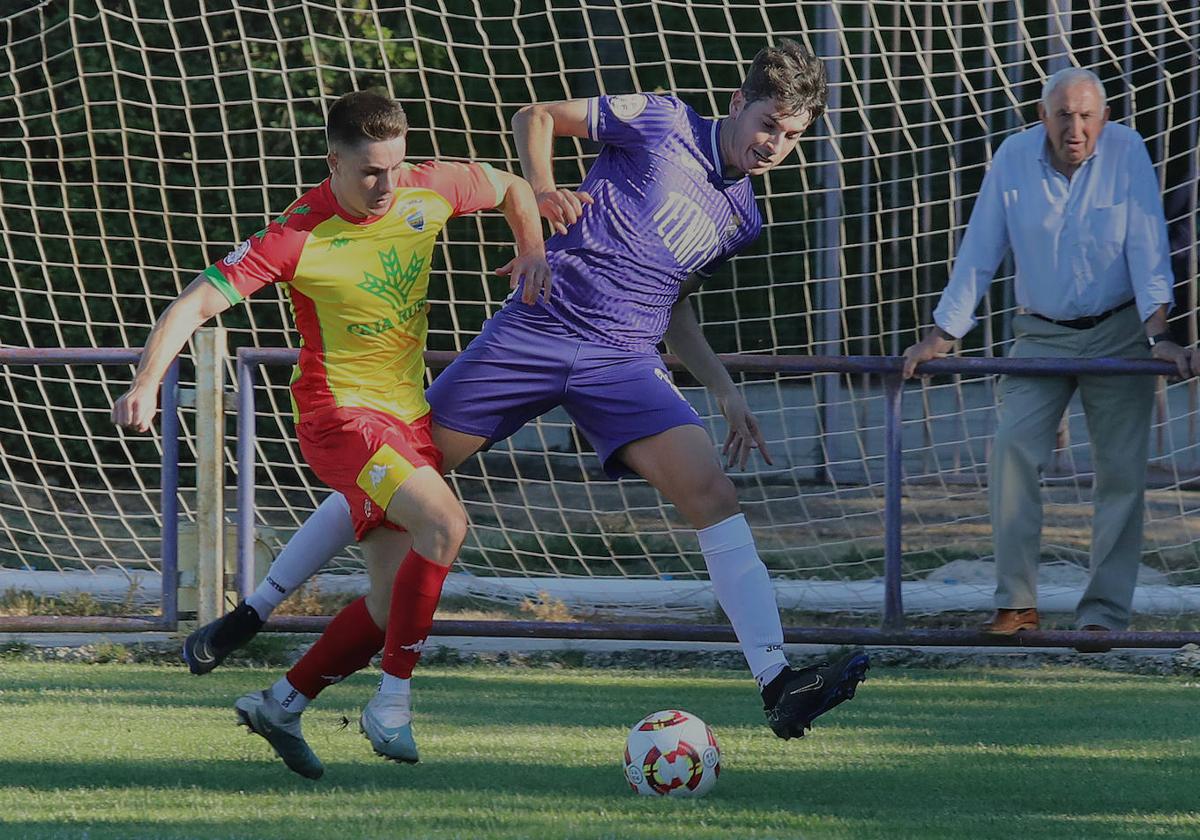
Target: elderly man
{"type": "Point", "coordinates": [1077, 202]}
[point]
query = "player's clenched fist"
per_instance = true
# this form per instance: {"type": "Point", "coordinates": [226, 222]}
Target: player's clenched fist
{"type": "Point", "coordinates": [135, 409]}
{"type": "Point", "coordinates": [562, 208]}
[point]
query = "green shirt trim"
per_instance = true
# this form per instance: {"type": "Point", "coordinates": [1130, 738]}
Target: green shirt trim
{"type": "Point", "coordinates": [223, 286]}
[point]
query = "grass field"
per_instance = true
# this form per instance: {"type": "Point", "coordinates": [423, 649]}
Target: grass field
{"type": "Point", "coordinates": [141, 751]}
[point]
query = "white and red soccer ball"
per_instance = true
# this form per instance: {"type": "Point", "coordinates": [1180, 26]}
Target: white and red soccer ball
{"type": "Point", "coordinates": [672, 753]}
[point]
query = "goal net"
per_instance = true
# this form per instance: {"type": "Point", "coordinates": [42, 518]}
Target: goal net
{"type": "Point", "coordinates": [139, 141]}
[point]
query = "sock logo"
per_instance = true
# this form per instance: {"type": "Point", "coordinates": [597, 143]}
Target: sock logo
{"type": "Point", "coordinates": [415, 647]}
{"type": "Point", "coordinates": [287, 701]}
{"type": "Point", "coordinates": [773, 648]}
{"type": "Point", "coordinates": [276, 586]}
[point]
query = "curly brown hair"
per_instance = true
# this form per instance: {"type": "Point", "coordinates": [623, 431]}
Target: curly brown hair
{"type": "Point", "coordinates": [790, 75]}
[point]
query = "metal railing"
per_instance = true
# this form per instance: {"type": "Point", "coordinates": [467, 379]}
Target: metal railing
{"type": "Point", "coordinates": [169, 493]}
{"type": "Point", "coordinates": [892, 628]}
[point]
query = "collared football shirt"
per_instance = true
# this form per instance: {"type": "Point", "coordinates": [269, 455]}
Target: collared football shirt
{"type": "Point", "coordinates": [662, 211]}
{"type": "Point", "coordinates": [1082, 246]}
{"type": "Point", "coordinates": [358, 287]}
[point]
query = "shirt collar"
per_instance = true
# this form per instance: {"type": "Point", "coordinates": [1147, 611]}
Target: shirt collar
{"type": "Point", "coordinates": [327, 193]}
{"type": "Point", "coordinates": [715, 156]}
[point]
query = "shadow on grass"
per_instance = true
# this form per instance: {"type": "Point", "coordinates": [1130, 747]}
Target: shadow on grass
{"type": "Point", "coordinates": [983, 786]}
{"type": "Point", "coordinates": [1050, 754]}
{"type": "Point", "coordinates": [1048, 708]}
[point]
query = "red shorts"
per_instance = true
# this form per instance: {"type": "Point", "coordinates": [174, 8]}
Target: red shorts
{"type": "Point", "coordinates": [366, 455]}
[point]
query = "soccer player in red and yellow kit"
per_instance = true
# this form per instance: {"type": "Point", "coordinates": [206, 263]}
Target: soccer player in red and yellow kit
{"type": "Point", "coordinates": [353, 255]}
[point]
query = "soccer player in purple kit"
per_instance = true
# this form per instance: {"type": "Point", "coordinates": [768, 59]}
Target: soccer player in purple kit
{"type": "Point", "coordinates": [666, 202]}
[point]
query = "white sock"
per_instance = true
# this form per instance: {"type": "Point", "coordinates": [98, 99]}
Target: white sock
{"type": "Point", "coordinates": [289, 696]}
{"type": "Point", "coordinates": [395, 685]}
{"type": "Point", "coordinates": [744, 590]}
{"type": "Point", "coordinates": [326, 532]}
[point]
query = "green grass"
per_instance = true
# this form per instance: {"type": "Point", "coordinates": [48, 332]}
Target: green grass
{"type": "Point", "coordinates": [139, 751]}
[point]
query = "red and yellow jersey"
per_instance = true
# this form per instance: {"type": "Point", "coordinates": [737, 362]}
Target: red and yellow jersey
{"type": "Point", "coordinates": [358, 286]}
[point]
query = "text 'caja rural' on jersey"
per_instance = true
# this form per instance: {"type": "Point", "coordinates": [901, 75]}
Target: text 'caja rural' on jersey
{"type": "Point", "coordinates": [662, 211]}
{"type": "Point", "coordinates": [359, 286]}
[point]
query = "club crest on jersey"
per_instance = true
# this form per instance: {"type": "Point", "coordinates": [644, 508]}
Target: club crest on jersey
{"type": "Point", "coordinates": [413, 213]}
{"type": "Point", "coordinates": [627, 106]}
{"type": "Point", "coordinates": [237, 254]}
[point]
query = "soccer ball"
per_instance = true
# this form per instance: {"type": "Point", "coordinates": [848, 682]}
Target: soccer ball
{"type": "Point", "coordinates": [672, 753]}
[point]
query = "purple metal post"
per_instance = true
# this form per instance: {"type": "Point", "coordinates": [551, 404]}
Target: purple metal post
{"type": "Point", "coordinates": [69, 356]}
{"type": "Point", "coordinates": [891, 632]}
{"type": "Point", "coordinates": [791, 635]}
{"type": "Point", "coordinates": [169, 495]}
{"type": "Point", "coordinates": [245, 482]}
{"type": "Point", "coordinates": [169, 470]}
{"type": "Point", "coordinates": [893, 474]}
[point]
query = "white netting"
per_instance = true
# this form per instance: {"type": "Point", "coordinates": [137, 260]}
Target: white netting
{"type": "Point", "coordinates": [140, 140]}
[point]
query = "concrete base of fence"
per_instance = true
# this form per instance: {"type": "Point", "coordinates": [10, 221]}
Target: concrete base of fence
{"type": "Point", "coordinates": [633, 598]}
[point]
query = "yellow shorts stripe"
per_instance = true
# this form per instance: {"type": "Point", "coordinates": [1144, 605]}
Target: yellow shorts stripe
{"type": "Point", "coordinates": [382, 476]}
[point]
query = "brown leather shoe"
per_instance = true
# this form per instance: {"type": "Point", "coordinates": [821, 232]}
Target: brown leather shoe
{"type": "Point", "coordinates": [1097, 646]}
{"type": "Point", "coordinates": [1008, 622]}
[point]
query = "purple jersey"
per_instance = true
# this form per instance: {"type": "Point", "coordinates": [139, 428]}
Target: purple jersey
{"type": "Point", "coordinates": [663, 210]}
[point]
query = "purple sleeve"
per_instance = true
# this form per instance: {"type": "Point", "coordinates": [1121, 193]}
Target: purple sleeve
{"type": "Point", "coordinates": [633, 119]}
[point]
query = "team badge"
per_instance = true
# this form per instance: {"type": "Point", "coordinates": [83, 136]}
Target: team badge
{"type": "Point", "coordinates": [413, 213]}
{"type": "Point", "coordinates": [237, 254]}
{"type": "Point", "coordinates": [628, 106]}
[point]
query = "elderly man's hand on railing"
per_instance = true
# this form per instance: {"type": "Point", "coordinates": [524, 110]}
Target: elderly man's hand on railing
{"type": "Point", "coordinates": [936, 344]}
{"type": "Point", "coordinates": [1181, 357]}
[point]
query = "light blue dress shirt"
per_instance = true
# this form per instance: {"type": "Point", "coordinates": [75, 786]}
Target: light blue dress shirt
{"type": "Point", "coordinates": [1081, 246]}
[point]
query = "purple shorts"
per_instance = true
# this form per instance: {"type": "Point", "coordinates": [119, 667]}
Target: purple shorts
{"type": "Point", "coordinates": [525, 362]}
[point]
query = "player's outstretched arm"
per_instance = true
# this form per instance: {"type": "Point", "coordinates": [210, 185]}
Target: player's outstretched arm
{"type": "Point", "coordinates": [520, 211]}
{"type": "Point", "coordinates": [534, 128]}
{"type": "Point", "coordinates": [686, 340]}
{"type": "Point", "coordinates": [135, 409]}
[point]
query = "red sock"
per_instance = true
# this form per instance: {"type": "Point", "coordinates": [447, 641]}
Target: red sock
{"type": "Point", "coordinates": [415, 595]}
{"type": "Point", "coordinates": [346, 646]}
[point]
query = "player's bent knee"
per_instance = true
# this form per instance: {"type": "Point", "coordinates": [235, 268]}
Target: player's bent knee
{"type": "Point", "coordinates": [709, 501]}
{"type": "Point", "coordinates": [439, 538]}
{"type": "Point", "coordinates": [721, 500]}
